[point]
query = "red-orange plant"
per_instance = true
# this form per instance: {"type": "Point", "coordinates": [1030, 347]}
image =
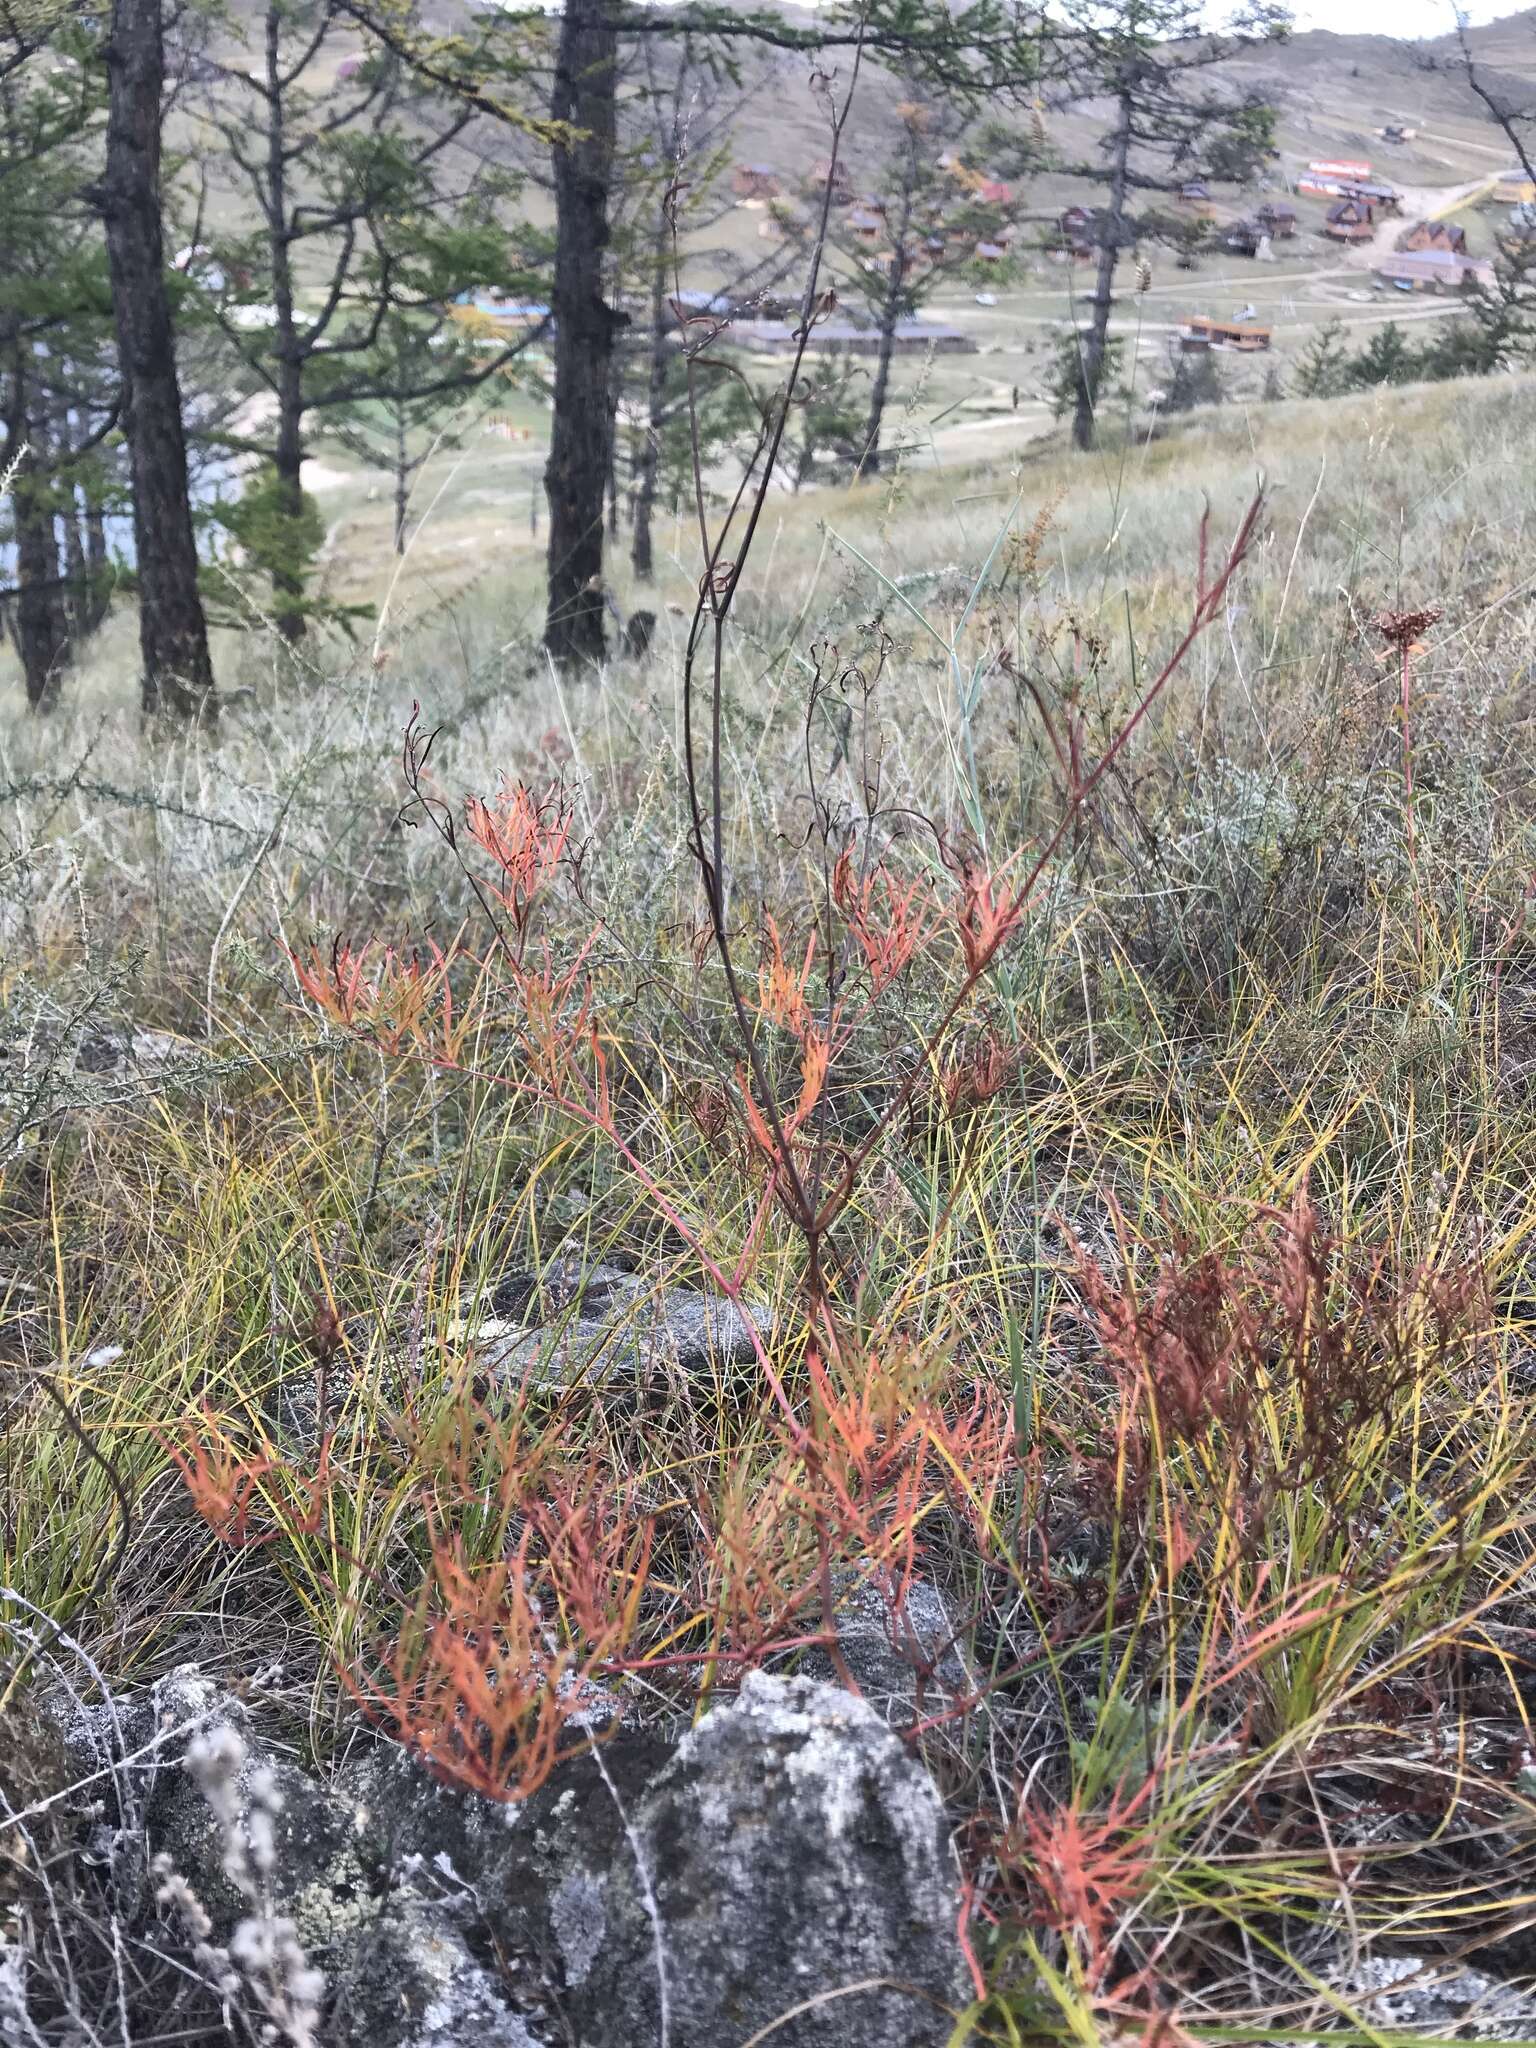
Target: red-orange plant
{"type": "Point", "coordinates": [493, 1670]}
{"type": "Point", "coordinates": [475, 1682]}
{"type": "Point", "coordinates": [223, 1483]}
{"type": "Point", "coordinates": [400, 999]}
{"type": "Point", "coordinates": [526, 836]}
{"type": "Point", "coordinates": [1080, 1870]}
{"type": "Point", "coordinates": [1334, 1330]}
{"type": "Point", "coordinates": [887, 932]}
{"type": "Point", "coordinates": [781, 987]}
{"type": "Point", "coordinates": [757, 1572]}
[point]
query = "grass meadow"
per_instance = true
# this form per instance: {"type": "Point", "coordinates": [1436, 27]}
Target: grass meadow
{"type": "Point", "coordinates": [1114, 1111]}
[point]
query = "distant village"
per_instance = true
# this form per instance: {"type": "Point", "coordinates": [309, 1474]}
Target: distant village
{"type": "Point", "coordinates": [972, 225]}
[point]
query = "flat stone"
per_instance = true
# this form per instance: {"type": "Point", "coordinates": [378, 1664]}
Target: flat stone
{"type": "Point", "coordinates": [572, 1323]}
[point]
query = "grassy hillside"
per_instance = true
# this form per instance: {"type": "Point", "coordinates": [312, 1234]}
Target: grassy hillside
{"type": "Point", "coordinates": [1174, 1314]}
{"type": "Point", "coordinates": [473, 575]}
{"type": "Point", "coordinates": [483, 489]}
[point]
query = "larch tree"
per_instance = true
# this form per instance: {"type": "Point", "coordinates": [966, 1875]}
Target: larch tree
{"type": "Point", "coordinates": [1158, 65]}
{"type": "Point", "coordinates": [828, 418]}
{"type": "Point", "coordinates": [364, 212]}
{"type": "Point", "coordinates": [173, 636]}
{"type": "Point", "coordinates": [60, 391]}
{"type": "Point", "coordinates": [1501, 331]}
{"type": "Point", "coordinates": [1324, 368]}
{"type": "Point", "coordinates": [923, 220]}
{"type": "Point", "coordinates": [988, 48]}
{"type": "Point", "coordinates": [685, 97]}
{"type": "Point", "coordinates": [412, 384]}
{"type": "Point", "coordinates": [38, 165]}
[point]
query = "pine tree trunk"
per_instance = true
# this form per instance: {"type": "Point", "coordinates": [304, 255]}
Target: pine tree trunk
{"type": "Point", "coordinates": [98, 562]}
{"type": "Point", "coordinates": [641, 550]}
{"type": "Point", "coordinates": [41, 628]}
{"type": "Point", "coordinates": [402, 481]}
{"type": "Point", "coordinates": [286, 569]}
{"type": "Point", "coordinates": [615, 394]}
{"type": "Point", "coordinates": [890, 313]}
{"type": "Point", "coordinates": [889, 319]}
{"type": "Point", "coordinates": [1111, 233]}
{"type": "Point", "coordinates": [576, 476]}
{"type": "Point", "coordinates": [77, 585]}
{"type": "Point", "coordinates": [173, 635]}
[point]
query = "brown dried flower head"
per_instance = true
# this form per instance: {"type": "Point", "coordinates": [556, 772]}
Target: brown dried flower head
{"type": "Point", "coordinates": [1403, 629]}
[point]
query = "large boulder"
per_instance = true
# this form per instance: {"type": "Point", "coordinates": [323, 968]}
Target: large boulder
{"type": "Point", "coordinates": [784, 1860]}
{"type": "Point", "coordinates": [790, 1859]}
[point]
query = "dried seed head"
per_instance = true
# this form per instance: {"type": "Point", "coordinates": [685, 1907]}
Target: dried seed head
{"type": "Point", "coordinates": [1402, 629]}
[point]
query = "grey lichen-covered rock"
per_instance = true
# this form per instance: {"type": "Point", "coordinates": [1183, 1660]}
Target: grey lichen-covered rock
{"type": "Point", "coordinates": [389, 1930]}
{"type": "Point", "coordinates": [411, 1982]}
{"type": "Point", "coordinates": [572, 1323]}
{"type": "Point", "coordinates": [130, 1051]}
{"type": "Point", "coordinates": [794, 1857]}
{"type": "Point", "coordinates": [313, 1832]}
{"type": "Point", "coordinates": [539, 1869]}
{"type": "Point", "coordinates": [578, 1918]}
{"type": "Point", "coordinates": [906, 1657]}
{"type": "Point", "coordinates": [1435, 2000]}
{"type": "Point", "coordinates": [36, 1774]}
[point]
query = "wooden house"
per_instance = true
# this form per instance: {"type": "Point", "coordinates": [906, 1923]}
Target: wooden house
{"type": "Point", "coordinates": [1332, 178]}
{"type": "Point", "coordinates": [1074, 231]}
{"type": "Point", "coordinates": [1277, 220]}
{"type": "Point", "coordinates": [1201, 332]}
{"type": "Point", "coordinates": [1380, 198]}
{"type": "Point", "coordinates": [755, 181]}
{"type": "Point", "coordinates": [912, 337]}
{"type": "Point", "coordinates": [1241, 238]}
{"type": "Point", "coordinates": [825, 171]}
{"type": "Point", "coordinates": [1435, 234]}
{"type": "Point", "coordinates": [1431, 270]}
{"type": "Point", "coordinates": [1350, 220]}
